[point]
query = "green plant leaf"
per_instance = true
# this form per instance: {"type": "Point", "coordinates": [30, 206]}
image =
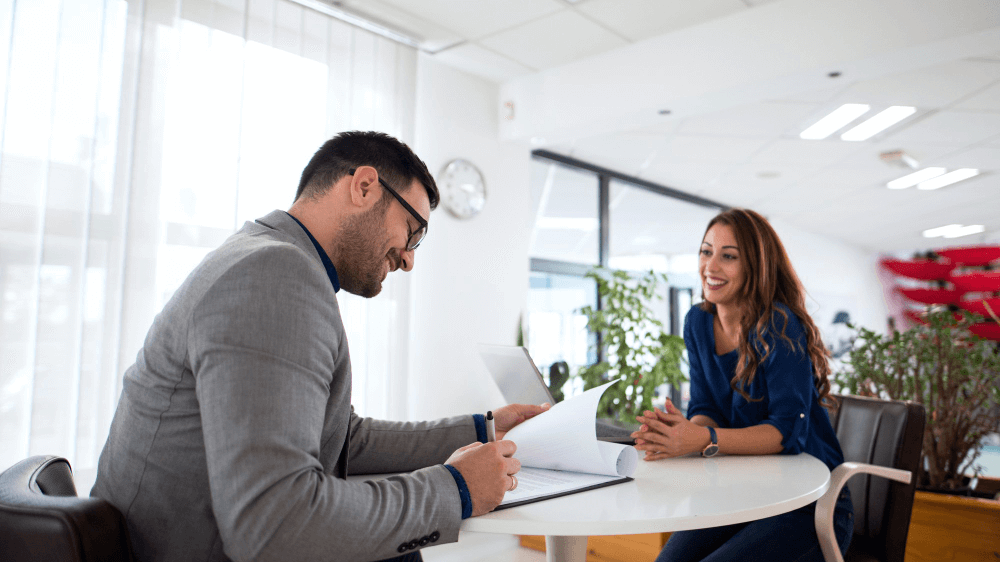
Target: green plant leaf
{"type": "Point", "coordinates": [638, 351]}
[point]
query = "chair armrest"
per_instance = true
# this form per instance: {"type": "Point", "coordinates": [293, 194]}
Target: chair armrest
{"type": "Point", "coordinates": [828, 502]}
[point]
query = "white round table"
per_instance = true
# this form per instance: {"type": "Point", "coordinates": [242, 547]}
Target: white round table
{"type": "Point", "coordinates": [666, 495]}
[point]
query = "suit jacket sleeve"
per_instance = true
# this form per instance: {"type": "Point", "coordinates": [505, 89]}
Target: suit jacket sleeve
{"type": "Point", "coordinates": [387, 446]}
{"type": "Point", "coordinates": [263, 349]}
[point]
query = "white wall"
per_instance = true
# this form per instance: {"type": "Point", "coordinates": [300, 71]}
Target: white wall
{"type": "Point", "coordinates": [470, 282]}
{"type": "Point", "coordinates": [837, 276]}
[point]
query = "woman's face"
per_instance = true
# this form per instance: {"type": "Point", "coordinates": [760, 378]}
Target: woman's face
{"type": "Point", "coordinates": [720, 266]}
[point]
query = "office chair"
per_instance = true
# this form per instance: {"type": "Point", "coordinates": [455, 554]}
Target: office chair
{"type": "Point", "coordinates": [880, 438]}
{"type": "Point", "coordinates": [41, 517]}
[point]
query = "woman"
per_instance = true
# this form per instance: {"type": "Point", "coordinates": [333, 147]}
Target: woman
{"type": "Point", "coordinates": [758, 386]}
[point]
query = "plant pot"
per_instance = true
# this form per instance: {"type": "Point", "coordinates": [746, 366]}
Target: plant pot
{"type": "Point", "coordinates": [949, 527]}
{"type": "Point", "coordinates": [983, 487]}
{"type": "Point", "coordinates": [989, 486]}
{"type": "Point", "coordinates": [965, 491]}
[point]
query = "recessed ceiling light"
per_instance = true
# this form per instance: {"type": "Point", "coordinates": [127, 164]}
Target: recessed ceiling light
{"type": "Point", "coordinates": [913, 179]}
{"type": "Point", "coordinates": [949, 178]}
{"type": "Point", "coordinates": [834, 121]}
{"type": "Point", "coordinates": [953, 231]}
{"type": "Point", "coordinates": [880, 122]}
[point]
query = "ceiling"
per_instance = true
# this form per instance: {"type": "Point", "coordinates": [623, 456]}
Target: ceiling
{"type": "Point", "coordinates": [709, 97]}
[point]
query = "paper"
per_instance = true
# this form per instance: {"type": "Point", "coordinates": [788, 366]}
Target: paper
{"type": "Point", "coordinates": [559, 451]}
{"type": "Point", "coordinates": [538, 483]}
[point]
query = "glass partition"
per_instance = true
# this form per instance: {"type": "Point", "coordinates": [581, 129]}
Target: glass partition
{"type": "Point", "coordinates": [567, 223]}
{"type": "Point", "coordinates": [555, 329]}
{"type": "Point", "coordinates": [651, 232]}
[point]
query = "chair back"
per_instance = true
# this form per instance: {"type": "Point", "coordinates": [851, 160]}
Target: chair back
{"type": "Point", "coordinates": [884, 433]}
{"type": "Point", "coordinates": [41, 517]}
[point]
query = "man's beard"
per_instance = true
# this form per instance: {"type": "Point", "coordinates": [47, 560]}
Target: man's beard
{"type": "Point", "coordinates": [360, 239]}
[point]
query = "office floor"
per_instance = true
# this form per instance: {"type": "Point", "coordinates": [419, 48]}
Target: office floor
{"type": "Point", "coordinates": [516, 554]}
{"type": "Point", "coordinates": [482, 547]}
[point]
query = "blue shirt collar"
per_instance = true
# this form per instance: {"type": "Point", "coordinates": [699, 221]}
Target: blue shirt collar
{"type": "Point", "coordinates": [330, 270]}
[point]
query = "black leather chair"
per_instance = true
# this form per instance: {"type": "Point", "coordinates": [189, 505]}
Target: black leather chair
{"type": "Point", "coordinates": [41, 517]}
{"type": "Point", "coordinates": [880, 438]}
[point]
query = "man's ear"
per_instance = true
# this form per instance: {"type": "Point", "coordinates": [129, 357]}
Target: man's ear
{"type": "Point", "coordinates": [364, 185]}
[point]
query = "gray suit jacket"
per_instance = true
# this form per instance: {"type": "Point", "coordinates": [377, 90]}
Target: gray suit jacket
{"type": "Point", "coordinates": [234, 429]}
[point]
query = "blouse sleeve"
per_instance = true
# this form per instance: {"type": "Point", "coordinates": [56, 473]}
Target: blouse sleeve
{"type": "Point", "coordinates": [701, 402]}
{"type": "Point", "coordinates": [788, 376]}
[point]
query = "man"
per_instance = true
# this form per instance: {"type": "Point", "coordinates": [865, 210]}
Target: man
{"type": "Point", "coordinates": [234, 430]}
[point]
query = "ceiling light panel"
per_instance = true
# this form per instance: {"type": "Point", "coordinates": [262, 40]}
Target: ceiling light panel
{"type": "Point", "coordinates": [948, 179]}
{"type": "Point", "coordinates": [915, 178]}
{"type": "Point", "coordinates": [833, 122]}
{"type": "Point", "coordinates": [880, 122]}
{"type": "Point", "coordinates": [953, 231]}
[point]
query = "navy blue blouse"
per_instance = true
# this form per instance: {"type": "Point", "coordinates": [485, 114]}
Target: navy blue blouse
{"type": "Point", "coordinates": [784, 382]}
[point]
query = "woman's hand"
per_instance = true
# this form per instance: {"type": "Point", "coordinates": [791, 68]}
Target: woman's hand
{"type": "Point", "coordinates": [664, 435]}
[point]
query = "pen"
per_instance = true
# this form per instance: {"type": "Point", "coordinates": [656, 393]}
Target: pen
{"type": "Point", "coordinates": [491, 433]}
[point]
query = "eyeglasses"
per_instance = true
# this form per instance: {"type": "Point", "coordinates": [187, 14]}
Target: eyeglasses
{"type": "Point", "coordinates": [417, 236]}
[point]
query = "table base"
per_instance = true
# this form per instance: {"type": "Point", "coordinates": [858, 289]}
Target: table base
{"type": "Point", "coordinates": [565, 549]}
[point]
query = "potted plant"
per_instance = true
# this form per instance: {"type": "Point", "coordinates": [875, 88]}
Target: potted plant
{"type": "Point", "coordinates": [639, 353]}
{"type": "Point", "coordinates": [956, 376]}
{"type": "Point", "coordinates": [952, 372]}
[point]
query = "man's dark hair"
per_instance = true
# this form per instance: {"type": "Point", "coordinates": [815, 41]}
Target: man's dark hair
{"type": "Point", "coordinates": [396, 164]}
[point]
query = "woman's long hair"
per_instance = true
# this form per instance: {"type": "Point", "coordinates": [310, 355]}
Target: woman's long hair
{"type": "Point", "coordinates": [768, 278]}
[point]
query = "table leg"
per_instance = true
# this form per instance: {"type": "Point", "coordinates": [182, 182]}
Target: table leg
{"type": "Point", "coordinates": [565, 549]}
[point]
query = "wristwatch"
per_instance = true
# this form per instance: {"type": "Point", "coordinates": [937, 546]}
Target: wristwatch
{"type": "Point", "coordinates": [712, 448]}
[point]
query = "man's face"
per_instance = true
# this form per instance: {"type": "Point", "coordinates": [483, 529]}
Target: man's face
{"type": "Point", "coordinates": [374, 242]}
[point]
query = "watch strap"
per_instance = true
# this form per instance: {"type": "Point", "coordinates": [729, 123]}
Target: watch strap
{"type": "Point", "coordinates": [713, 446]}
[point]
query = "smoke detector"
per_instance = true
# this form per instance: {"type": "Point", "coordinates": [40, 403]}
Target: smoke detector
{"type": "Point", "coordinates": [899, 159]}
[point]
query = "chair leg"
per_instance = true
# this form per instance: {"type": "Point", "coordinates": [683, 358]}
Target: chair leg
{"type": "Point", "coordinates": [826, 504]}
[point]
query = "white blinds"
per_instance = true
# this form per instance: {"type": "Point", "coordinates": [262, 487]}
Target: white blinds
{"type": "Point", "coordinates": [136, 136]}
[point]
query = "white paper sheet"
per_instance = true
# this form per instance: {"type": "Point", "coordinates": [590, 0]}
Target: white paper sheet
{"type": "Point", "coordinates": [564, 438]}
{"type": "Point", "coordinates": [539, 483]}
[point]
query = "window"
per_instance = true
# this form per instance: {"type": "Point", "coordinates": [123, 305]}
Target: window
{"type": "Point", "coordinates": [566, 214]}
{"type": "Point", "coordinates": [588, 216]}
{"type": "Point", "coordinates": [135, 137]}
{"type": "Point", "coordinates": [558, 332]}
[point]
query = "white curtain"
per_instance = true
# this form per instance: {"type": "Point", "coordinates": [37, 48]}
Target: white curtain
{"type": "Point", "coordinates": [136, 136]}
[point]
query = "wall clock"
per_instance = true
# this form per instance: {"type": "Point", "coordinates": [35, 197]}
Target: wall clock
{"type": "Point", "coordinates": [463, 191]}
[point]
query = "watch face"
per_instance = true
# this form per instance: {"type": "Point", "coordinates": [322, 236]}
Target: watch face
{"type": "Point", "coordinates": [463, 192]}
{"type": "Point", "coordinates": [710, 451]}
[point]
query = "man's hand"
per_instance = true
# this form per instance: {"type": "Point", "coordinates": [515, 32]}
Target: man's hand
{"type": "Point", "coordinates": [487, 469]}
{"type": "Point", "coordinates": [664, 435]}
{"type": "Point", "coordinates": [507, 417]}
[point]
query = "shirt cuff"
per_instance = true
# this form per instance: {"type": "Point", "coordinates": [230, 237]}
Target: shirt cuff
{"type": "Point", "coordinates": [463, 491]}
{"type": "Point", "coordinates": [480, 421]}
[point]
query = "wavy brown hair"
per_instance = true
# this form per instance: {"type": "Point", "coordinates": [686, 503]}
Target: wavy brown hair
{"type": "Point", "coordinates": [768, 278]}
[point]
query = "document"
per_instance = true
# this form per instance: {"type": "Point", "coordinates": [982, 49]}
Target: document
{"type": "Point", "coordinates": [560, 453]}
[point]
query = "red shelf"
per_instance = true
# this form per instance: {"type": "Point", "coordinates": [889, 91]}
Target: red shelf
{"type": "Point", "coordinates": [989, 281]}
{"type": "Point", "coordinates": [932, 296]}
{"type": "Point", "coordinates": [986, 330]}
{"type": "Point", "coordinates": [924, 270]}
{"type": "Point", "coordinates": [978, 307]}
{"type": "Point", "coordinates": [973, 255]}
{"type": "Point", "coordinates": [918, 316]}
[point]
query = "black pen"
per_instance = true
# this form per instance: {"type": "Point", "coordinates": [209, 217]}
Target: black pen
{"type": "Point", "coordinates": [491, 432]}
